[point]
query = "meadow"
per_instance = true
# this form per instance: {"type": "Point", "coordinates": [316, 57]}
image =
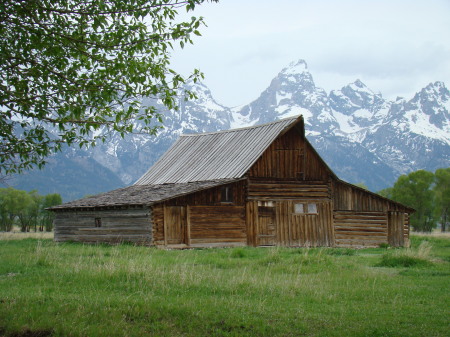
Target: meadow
{"type": "Point", "coordinates": [71, 289]}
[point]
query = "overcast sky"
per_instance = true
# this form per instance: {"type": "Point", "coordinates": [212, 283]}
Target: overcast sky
{"type": "Point", "coordinates": [395, 47]}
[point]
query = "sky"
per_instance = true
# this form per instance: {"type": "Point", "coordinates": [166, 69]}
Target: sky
{"type": "Point", "coordinates": [395, 47]}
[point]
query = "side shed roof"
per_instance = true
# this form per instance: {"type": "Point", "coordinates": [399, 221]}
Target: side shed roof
{"type": "Point", "coordinates": [138, 195]}
{"type": "Point", "coordinates": [219, 155]}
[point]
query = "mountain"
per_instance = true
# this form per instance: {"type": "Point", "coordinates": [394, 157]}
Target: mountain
{"type": "Point", "coordinates": [71, 173]}
{"type": "Point", "coordinates": [363, 137]}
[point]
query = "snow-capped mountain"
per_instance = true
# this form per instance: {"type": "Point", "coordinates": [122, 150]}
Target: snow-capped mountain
{"type": "Point", "coordinates": [363, 137]}
{"type": "Point", "coordinates": [202, 115]}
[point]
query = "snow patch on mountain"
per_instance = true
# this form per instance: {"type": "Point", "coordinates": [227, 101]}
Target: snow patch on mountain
{"type": "Point", "coordinates": [360, 135]}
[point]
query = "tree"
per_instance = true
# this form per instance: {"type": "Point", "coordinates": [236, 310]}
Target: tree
{"type": "Point", "coordinates": [415, 190]}
{"type": "Point", "coordinates": [9, 206]}
{"type": "Point", "coordinates": [442, 196]}
{"type": "Point", "coordinates": [362, 185]}
{"type": "Point", "coordinates": [386, 192]}
{"type": "Point", "coordinates": [28, 209]}
{"type": "Point", "coordinates": [70, 69]}
{"type": "Point", "coordinates": [46, 218]}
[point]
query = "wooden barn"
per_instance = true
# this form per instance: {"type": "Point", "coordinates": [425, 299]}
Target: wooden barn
{"type": "Point", "coordinates": [259, 186]}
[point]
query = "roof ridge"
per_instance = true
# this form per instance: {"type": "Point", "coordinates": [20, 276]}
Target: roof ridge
{"type": "Point", "coordinates": [239, 129]}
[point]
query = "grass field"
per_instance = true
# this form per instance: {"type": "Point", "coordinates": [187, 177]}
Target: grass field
{"type": "Point", "coordinates": [50, 289]}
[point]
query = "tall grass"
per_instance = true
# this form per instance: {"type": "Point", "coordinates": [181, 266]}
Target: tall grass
{"type": "Point", "coordinates": [409, 257]}
{"type": "Point", "coordinates": [84, 290]}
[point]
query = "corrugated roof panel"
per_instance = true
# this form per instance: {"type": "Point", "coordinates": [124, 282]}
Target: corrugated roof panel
{"type": "Point", "coordinates": [218, 155]}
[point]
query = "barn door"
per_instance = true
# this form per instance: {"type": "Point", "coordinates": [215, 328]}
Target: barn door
{"type": "Point", "coordinates": [266, 228]}
{"type": "Point", "coordinates": [311, 223]}
{"type": "Point", "coordinates": [174, 225]}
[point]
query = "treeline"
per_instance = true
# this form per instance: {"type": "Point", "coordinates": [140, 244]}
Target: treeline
{"type": "Point", "coordinates": [26, 210]}
{"type": "Point", "coordinates": [428, 193]}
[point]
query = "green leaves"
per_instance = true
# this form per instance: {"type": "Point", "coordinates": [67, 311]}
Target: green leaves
{"type": "Point", "coordinates": [70, 68]}
{"type": "Point", "coordinates": [427, 193]}
{"type": "Point", "coordinates": [26, 209]}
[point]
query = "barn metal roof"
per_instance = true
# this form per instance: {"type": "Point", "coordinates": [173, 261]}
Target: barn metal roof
{"type": "Point", "coordinates": [140, 195]}
{"type": "Point", "coordinates": [219, 155]}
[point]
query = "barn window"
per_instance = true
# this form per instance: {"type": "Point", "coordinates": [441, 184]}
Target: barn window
{"type": "Point", "coordinates": [226, 194]}
{"type": "Point", "coordinates": [298, 208]}
{"type": "Point", "coordinates": [310, 208]}
{"type": "Point", "coordinates": [98, 222]}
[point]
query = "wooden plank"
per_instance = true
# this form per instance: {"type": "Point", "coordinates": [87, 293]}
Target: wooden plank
{"type": "Point", "coordinates": [188, 226]}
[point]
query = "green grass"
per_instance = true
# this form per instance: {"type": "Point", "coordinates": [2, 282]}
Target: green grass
{"type": "Point", "coordinates": [50, 289]}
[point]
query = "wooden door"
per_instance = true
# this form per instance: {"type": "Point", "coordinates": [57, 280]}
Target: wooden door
{"type": "Point", "coordinates": [266, 228]}
{"type": "Point", "coordinates": [311, 224]}
{"type": "Point", "coordinates": [174, 225]}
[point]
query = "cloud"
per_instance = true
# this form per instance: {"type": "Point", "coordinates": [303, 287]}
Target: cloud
{"type": "Point", "coordinates": [395, 45]}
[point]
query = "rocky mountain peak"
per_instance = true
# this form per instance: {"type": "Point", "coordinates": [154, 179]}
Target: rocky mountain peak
{"type": "Point", "coordinates": [297, 75]}
{"type": "Point", "coordinates": [296, 67]}
{"type": "Point", "coordinates": [428, 112]}
{"type": "Point", "coordinates": [362, 136]}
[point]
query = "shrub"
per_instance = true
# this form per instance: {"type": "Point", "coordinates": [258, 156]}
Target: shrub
{"type": "Point", "coordinates": [238, 253]}
{"type": "Point", "coordinates": [407, 257]}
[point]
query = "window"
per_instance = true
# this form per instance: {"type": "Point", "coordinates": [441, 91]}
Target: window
{"type": "Point", "coordinates": [312, 208]}
{"type": "Point", "coordinates": [226, 194]}
{"type": "Point", "coordinates": [98, 222]}
{"type": "Point", "coordinates": [306, 208]}
{"type": "Point", "coordinates": [298, 208]}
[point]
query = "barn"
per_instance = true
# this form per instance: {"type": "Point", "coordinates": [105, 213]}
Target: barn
{"type": "Point", "coordinates": [263, 185]}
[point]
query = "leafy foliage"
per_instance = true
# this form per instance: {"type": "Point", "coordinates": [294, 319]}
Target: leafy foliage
{"type": "Point", "coordinates": [78, 67]}
{"type": "Point", "coordinates": [26, 209]}
{"type": "Point", "coordinates": [415, 191]}
{"type": "Point", "coordinates": [427, 193]}
{"type": "Point", "coordinates": [442, 196]}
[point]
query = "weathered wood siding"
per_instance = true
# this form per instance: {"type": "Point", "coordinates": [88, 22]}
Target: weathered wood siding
{"type": "Point", "coordinates": [158, 224]}
{"type": "Point", "coordinates": [202, 218]}
{"type": "Point", "coordinates": [362, 218]}
{"type": "Point", "coordinates": [175, 220]}
{"type": "Point", "coordinates": [396, 229]}
{"type": "Point", "coordinates": [273, 190]}
{"type": "Point", "coordinates": [347, 197]}
{"type": "Point", "coordinates": [211, 196]}
{"type": "Point", "coordinates": [117, 225]}
{"type": "Point", "coordinates": [311, 230]}
{"type": "Point", "coordinates": [272, 219]}
{"type": "Point", "coordinates": [359, 229]}
{"type": "Point", "coordinates": [217, 225]}
{"type": "Point", "coordinates": [290, 156]}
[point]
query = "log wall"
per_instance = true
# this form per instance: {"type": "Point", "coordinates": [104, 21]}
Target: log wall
{"type": "Point", "coordinates": [273, 190]}
{"type": "Point", "coordinates": [117, 225]}
{"type": "Point", "coordinates": [217, 225]}
{"type": "Point", "coordinates": [360, 229]}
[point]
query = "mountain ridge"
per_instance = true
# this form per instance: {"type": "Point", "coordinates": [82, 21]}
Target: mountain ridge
{"type": "Point", "coordinates": [362, 136]}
